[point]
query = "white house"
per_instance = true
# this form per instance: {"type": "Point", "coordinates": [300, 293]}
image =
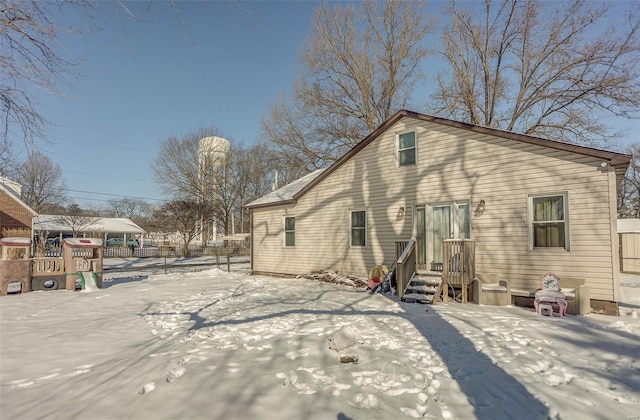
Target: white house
{"type": "Point", "coordinates": [530, 205]}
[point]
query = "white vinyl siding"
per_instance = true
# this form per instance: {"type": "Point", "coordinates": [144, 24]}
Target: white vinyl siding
{"type": "Point", "coordinates": [461, 165]}
{"type": "Point", "coordinates": [289, 231]}
{"type": "Point", "coordinates": [407, 148]}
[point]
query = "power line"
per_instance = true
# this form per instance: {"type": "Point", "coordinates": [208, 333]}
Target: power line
{"type": "Point", "coordinates": [106, 145]}
{"type": "Point", "coordinates": [88, 199]}
{"type": "Point", "coordinates": [113, 195]}
{"type": "Point", "coordinates": [109, 176]}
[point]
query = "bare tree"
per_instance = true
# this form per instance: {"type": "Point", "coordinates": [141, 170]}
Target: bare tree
{"type": "Point", "coordinates": [177, 166]}
{"type": "Point", "coordinates": [33, 62]}
{"type": "Point", "coordinates": [241, 176]}
{"type": "Point", "coordinates": [629, 189]}
{"type": "Point", "coordinates": [183, 217]}
{"type": "Point", "coordinates": [251, 173]}
{"type": "Point", "coordinates": [549, 69]}
{"type": "Point", "coordinates": [40, 242]}
{"type": "Point", "coordinates": [185, 173]}
{"type": "Point", "coordinates": [9, 163]}
{"type": "Point", "coordinates": [127, 207]}
{"type": "Point", "coordinates": [225, 180]}
{"type": "Point", "coordinates": [43, 185]}
{"type": "Point", "coordinates": [360, 66]}
{"type": "Point", "coordinates": [138, 210]}
{"type": "Point", "coordinates": [31, 58]}
{"type": "Point", "coordinates": [78, 220]}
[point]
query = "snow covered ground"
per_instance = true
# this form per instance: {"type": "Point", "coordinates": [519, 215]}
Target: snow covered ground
{"type": "Point", "coordinates": [218, 345]}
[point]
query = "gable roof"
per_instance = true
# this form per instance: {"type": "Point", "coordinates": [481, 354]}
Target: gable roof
{"type": "Point", "coordinates": [12, 189]}
{"type": "Point", "coordinates": [285, 195]}
{"type": "Point", "coordinates": [619, 161]}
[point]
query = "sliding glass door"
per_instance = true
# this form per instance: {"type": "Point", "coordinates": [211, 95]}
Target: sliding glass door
{"type": "Point", "coordinates": [435, 223]}
{"type": "Point", "coordinates": [442, 229]}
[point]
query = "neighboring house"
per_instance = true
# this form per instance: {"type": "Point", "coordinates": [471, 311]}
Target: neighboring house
{"type": "Point", "coordinates": [14, 213]}
{"type": "Point", "coordinates": [531, 206]}
{"type": "Point", "coordinates": [61, 226]}
{"type": "Point", "coordinates": [629, 232]}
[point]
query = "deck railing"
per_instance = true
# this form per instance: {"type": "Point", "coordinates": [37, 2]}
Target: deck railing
{"type": "Point", "coordinates": [459, 264]}
{"type": "Point", "coordinates": [405, 264]}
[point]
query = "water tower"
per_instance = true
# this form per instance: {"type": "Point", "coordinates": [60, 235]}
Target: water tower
{"type": "Point", "coordinates": [212, 153]}
{"type": "Point", "coordinates": [213, 150]}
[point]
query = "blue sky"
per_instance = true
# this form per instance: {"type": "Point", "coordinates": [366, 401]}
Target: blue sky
{"type": "Point", "coordinates": [206, 64]}
{"type": "Point", "coordinates": [214, 64]}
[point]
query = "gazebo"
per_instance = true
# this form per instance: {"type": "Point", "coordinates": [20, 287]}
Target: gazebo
{"type": "Point", "coordinates": [62, 226]}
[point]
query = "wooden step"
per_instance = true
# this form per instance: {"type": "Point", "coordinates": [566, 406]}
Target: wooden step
{"type": "Point", "coordinates": [421, 288]}
{"type": "Point", "coordinates": [430, 281]}
{"type": "Point", "coordinates": [427, 273]}
{"type": "Point", "coordinates": [417, 297]}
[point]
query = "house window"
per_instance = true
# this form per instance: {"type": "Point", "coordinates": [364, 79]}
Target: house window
{"type": "Point", "coordinates": [549, 221]}
{"type": "Point", "coordinates": [289, 231]}
{"type": "Point", "coordinates": [358, 228]}
{"type": "Point", "coordinates": [407, 148]}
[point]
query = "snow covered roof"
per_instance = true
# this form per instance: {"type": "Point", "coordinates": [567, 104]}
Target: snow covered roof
{"type": "Point", "coordinates": [628, 225]}
{"type": "Point", "coordinates": [58, 223]}
{"type": "Point", "coordinates": [84, 242]}
{"type": "Point", "coordinates": [286, 193]}
{"type": "Point", "coordinates": [15, 241]}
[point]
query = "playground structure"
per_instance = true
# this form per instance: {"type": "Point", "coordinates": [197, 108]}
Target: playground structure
{"type": "Point", "coordinates": [85, 265]}
{"type": "Point", "coordinates": [15, 265]}
{"type": "Point", "coordinates": [80, 266]}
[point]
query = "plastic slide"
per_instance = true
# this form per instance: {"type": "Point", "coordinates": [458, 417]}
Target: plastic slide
{"type": "Point", "coordinates": [88, 281]}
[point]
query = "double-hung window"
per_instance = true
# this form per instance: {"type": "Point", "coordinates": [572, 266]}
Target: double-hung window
{"type": "Point", "coordinates": [359, 228]}
{"type": "Point", "coordinates": [289, 231]}
{"type": "Point", "coordinates": [407, 148]}
{"type": "Point", "coordinates": [549, 221]}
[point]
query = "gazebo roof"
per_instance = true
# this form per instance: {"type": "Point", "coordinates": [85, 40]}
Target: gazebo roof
{"type": "Point", "coordinates": [58, 223]}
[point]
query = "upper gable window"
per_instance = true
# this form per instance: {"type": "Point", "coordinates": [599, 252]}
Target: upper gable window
{"type": "Point", "coordinates": [407, 148]}
{"type": "Point", "coordinates": [549, 221]}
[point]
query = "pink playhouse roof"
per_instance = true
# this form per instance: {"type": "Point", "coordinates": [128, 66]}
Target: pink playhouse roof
{"type": "Point", "coordinates": [83, 242]}
{"type": "Point", "coordinates": [15, 241]}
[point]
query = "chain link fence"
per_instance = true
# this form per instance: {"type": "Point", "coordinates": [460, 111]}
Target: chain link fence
{"type": "Point", "coordinates": [629, 280]}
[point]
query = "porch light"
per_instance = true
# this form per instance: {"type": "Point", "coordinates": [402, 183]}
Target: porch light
{"type": "Point", "coordinates": [480, 208]}
{"type": "Point", "coordinates": [400, 214]}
